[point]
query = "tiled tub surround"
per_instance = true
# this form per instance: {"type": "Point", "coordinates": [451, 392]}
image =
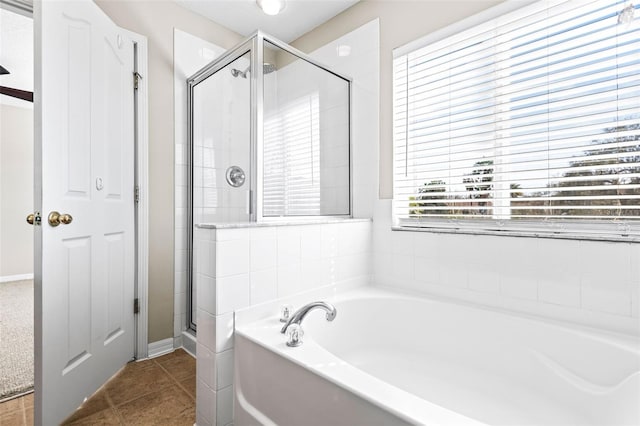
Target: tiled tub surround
{"type": "Point", "coordinates": [442, 363]}
{"type": "Point", "coordinates": [247, 264]}
{"type": "Point", "coordinates": [592, 283]}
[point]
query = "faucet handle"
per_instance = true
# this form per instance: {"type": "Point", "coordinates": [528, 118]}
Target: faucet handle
{"type": "Point", "coordinates": [294, 335]}
{"type": "Point", "coordinates": [285, 312]}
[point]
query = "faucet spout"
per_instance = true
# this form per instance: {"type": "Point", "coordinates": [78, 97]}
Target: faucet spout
{"type": "Point", "coordinates": [299, 315]}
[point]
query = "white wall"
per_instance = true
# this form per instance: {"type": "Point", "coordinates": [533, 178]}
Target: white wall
{"type": "Point", "coordinates": [16, 192]}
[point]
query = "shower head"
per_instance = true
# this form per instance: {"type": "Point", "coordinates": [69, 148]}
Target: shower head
{"type": "Point", "coordinates": [267, 68]}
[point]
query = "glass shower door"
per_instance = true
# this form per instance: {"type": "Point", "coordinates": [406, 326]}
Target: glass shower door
{"type": "Point", "coordinates": [220, 150]}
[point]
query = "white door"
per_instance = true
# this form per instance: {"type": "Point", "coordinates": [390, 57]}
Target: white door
{"type": "Point", "coordinates": [84, 144]}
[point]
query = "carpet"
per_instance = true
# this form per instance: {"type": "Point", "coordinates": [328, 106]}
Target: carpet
{"type": "Point", "coordinates": [16, 338]}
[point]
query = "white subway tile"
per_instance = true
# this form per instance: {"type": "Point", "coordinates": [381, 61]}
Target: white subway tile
{"type": "Point", "coordinates": [263, 253]}
{"type": "Point", "coordinates": [615, 256]}
{"type": "Point", "coordinates": [328, 241]}
{"type": "Point", "coordinates": [352, 266]}
{"type": "Point", "coordinates": [262, 233]}
{"type": "Point", "coordinates": [426, 270]}
{"type": "Point", "coordinates": [310, 243]}
{"type": "Point", "coordinates": [456, 274]}
{"type": "Point", "coordinates": [520, 284]}
{"type": "Point", "coordinates": [426, 245]}
{"type": "Point", "coordinates": [232, 234]}
{"type": "Point", "coordinates": [206, 257]}
{"type": "Point", "coordinates": [635, 262]}
{"type": "Point", "coordinates": [177, 325]}
{"type": "Point", "coordinates": [179, 303]}
{"type": "Point", "coordinates": [558, 292]}
{"type": "Point", "coordinates": [224, 332]}
{"type": "Point", "coordinates": [232, 293]}
{"type": "Point", "coordinates": [382, 238]}
{"type": "Point", "coordinates": [288, 242]}
{"type": "Point", "coordinates": [232, 257]}
{"type": "Point", "coordinates": [224, 369]}
{"type": "Point", "coordinates": [180, 281]}
{"type": "Point", "coordinates": [206, 365]}
{"type": "Point", "coordinates": [224, 406]}
{"type": "Point", "coordinates": [329, 271]}
{"type": "Point", "coordinates": [205, 404]}
{"type": "Point", "coordinates": [311, 273]}
{"type": "Point", "coordinates": [206, 293]}
{"type": "Point", "coordinates": [264, 285]}
{"type": "Point", "coordinates": [289, 280]}
{"type": "Point", "coordinates": [610, 296]}
{"type": "Point", "coordinates": [206, 329]}
{"type": "Point", "coordinates": [484, 279]}
{"type": "Point", "coordinates": [402, 243]}
{"type": "Point", "coordinates": [402, 266]}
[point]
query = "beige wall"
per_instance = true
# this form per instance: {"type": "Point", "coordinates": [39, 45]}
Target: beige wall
{"type": "Point", "coordinates": [400, 22]}
{"type": "Point", "coordinates": [156, 20]}
{"type": "Point", "coordinates": [16, 190]}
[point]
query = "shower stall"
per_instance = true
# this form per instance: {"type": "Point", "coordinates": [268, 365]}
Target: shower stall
{"type": "Point", "coordinates": [269, 139]}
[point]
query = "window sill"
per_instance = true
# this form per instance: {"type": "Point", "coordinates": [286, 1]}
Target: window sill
{"type": "Point", "coordinates": [564, 235]}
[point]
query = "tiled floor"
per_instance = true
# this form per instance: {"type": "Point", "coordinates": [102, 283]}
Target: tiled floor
{"type": "Point", "coordinates": [160, 391]}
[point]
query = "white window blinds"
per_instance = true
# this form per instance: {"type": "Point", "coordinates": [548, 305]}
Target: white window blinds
{"type": "Point", "coordinates": [531, 119]}
{"type": "Point", "coordinates": [292, 159]}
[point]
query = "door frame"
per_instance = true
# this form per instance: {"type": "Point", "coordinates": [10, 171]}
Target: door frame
{"type": "Point", "coordinates": [141, 126]}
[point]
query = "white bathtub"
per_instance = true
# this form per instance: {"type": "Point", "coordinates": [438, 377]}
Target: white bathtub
{"type": "Point", "coordinates": [389, 359]}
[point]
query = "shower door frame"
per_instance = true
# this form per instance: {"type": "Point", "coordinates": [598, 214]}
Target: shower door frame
{"type": "Point", "coordinates": [254, 45]}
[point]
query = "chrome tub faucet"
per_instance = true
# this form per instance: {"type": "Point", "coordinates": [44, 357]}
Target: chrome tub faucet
{"type": "Point", "coordinates": [293, 325]}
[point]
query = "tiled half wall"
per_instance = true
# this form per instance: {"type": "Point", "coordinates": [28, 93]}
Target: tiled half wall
{"type": "Point", "coordinates": [241, 267]}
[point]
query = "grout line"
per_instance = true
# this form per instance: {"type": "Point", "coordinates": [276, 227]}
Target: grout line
{"type": "Point", "coordinates": [176, 381]}
{"type": "Point", "coordinates": [113, 408]}
{"type": "Point", "coordinates": [24, 411]}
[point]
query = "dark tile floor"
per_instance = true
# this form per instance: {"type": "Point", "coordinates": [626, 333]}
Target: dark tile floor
{"type": "Point", "coordinates": [159, 391]}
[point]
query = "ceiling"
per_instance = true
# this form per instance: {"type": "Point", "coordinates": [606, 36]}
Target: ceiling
{"type": "Point", "coordinates": [245, 17]}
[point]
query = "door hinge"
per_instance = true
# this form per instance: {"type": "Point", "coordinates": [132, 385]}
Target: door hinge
{"type": "Point", "coordinates": [136, 194]}
{"type": "Point", "coordinates": [136, 306]}
{"type": "Point", "coordinates": [136, 79]}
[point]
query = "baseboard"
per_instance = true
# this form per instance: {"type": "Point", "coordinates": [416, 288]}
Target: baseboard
{"type": "Point", "coordinates": [189, 342]}
{"type": "Point", "coordinates": [161, 347]}
{"type": "Point", "coordinates": [21, 277]}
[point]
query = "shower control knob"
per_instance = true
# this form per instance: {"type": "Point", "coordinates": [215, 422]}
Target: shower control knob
{"type": "Point", "coordinates": [235, 176]}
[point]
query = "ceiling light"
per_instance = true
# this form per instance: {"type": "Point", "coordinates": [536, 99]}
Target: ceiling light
{"type": "Point", "coordinates": [271, 7]}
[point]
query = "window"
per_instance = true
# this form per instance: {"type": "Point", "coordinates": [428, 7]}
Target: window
{"type": "Point", "coordinates": [292, 159]}
{"type": "Point", "coordinates": [529, 121]}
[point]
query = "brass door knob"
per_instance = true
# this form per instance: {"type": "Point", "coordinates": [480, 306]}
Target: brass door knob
{"type": "Point", "coordinates": [56, 218]}
{"type": "Point", "coordinates": [34, 218]}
